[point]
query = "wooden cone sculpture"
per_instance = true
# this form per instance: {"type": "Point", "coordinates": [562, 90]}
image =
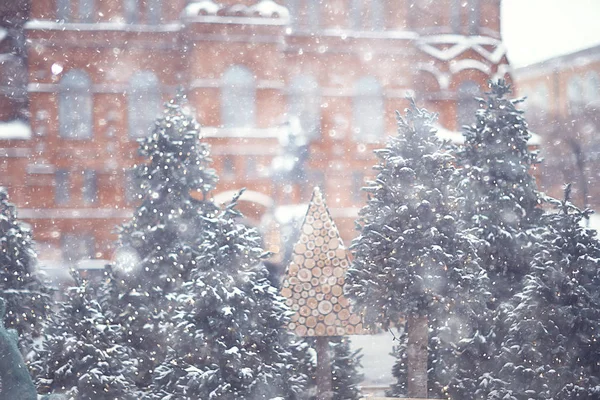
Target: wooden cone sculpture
{"type": "Point", "coordinates": [314, 283]}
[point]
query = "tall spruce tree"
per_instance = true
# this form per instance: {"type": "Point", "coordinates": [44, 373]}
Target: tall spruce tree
{"type": "Point", "coordinates": [410, 259]}
{"type": "Point", "coordinates": [174, 182]}
{"type": "Point", "coordinates": [228, 339]}
{"type": "Point", "coordinates": [552, 346]}
{"type": "Point", "coordinates": [501, 200]}
{"type": "Point", "coordinates": [82, 355]}
{"type": "Point", "coordinates": [27, 298]}
{"type": "Point", "coordinates": [501, 207]}
{"type": "Point", "coordinates": [345, 370]}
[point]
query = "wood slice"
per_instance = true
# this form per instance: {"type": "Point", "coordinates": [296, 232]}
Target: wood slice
{"type": "Point", "coordinates": [303, 238]}
{"type": "Point", "coordinates": [314, 282]}
{"type": "Point", "coordinates": [301, 302]}
{"type": "Point", "coordinates": [350, 330]}
{"type": "Point", "coordinates": [320, 329]}
{"type": "Point", "coordinates": [304, 275]}
{"type": "Point", "coordinates": [323, 279]}
{"type": "Point", "coordinates": [333, 233]}
{"type": "Point", "coordinates": [325, 288]}
{"type": "Point", "coordinates": [358, 329]}
{"type": "Point", "coordinates": [307, 229]}
{"type": "Point", "coordinates": [332, 280]}
{"type": "Point", "coordinates": [330, 319]}
{"type": "Point", "coordinates": [312, 302]}
{"type": "Point", "coordinates": [319, 241]}
{"type": "Point", "coordinates": [294, 281]}
{"type": "Point", "coordinates": [322, 255]}
{"type": "Point", "coordinates": [334, 299]}
{"type": "Point", "coordinates": [286, 292]}
{"type": "Point", "coordinates": [343, 301]}
{"type": "Point", "coordinates": [355, 319]}
{"type": "Point", "coordinates": [316, 271]}
{"type": "Point", "coordinates": [308, 254]}
{"type": "Point", "coordinates": [321, 317]}
{"type": "Point", "coordinates": [309, 263]}
{"type": "Point", "coordinates": [324, 216]}
{"type": "Point", "coordinates": [327, 271]}
{"type": "Point", "coordinates": [336, 290]}
{"type": "Point", "coordinates": [338, 322]}
{"type": "Point", "coordinates": [301, 330]}
{"type": "Point", "coordinates": [305, 311]}
{"type": "Point", "coordinates": [331, 254]}
{"type": "Point", "coordinates": [309, 219]}
{"type": "Point", "coordinates": [294, 317]}
{"type": "Point", "coordinates": [289, 302]}
{"type": "Point", "coordinates": [337, 308]}
{"type": "Point", "coordinates": [328, 296]}
{"type": "Point", "coordinates": [300, 248]}
{"type": "Point", "coordinates": [333, 243]}
{"type": "Point", "coordinates": [310, 245]}
{"type": "Point", "coordinates": [310, 332]}
{"type": "Point", "coordinates": [315, 312]}
{"type": "Point", "coordinates": [338, 272]}
{"type": "Point", "coordinates": [331, 331]}
{"type": "Point", "coordinates": [304, 293]}
{"type": "Point", "coordinates": [318, 224]}
{"type": "Point", "coordinates": [341, 281]}
{"type": "Point", "coordinates": [286, 283]}
{"type": "Point", "coordinates": [311, 321]}
{"type": "Point", "coordinates": [335, 261]}
{"type": "Point", "coordinates": [293, 270]}
{"type": "Point", "coordinates": [320, 296]}
{"type": "Point", "coordinates": [344, 323]}
{"type": "Point", "coordinates": [340, 331]}
{"type": "Point", "coordinates": [325, 307]}
{"type": "Point", "coordinates": [341, 253]}
{"type": "Point", "coordinates": [344, 314]}
{"type": "Point", "coordinates": [327, 225]}
{"type": "Point", "coordinates": [317, 251]}
{"type": "Point", "coordinates": [297, 296]}
{"type": "Point", "coordinates": [298, 288]}
{"type": "Point", "coordinates": [344, 264]}
{"type": "Point", "coordinates": [320, 264]}
{"type": "Point", "coordinates": [318, 288]}
{"type": "Point", "coordinates": [292, 326]}
{"type": "Point", "coordinates": [295, 307]}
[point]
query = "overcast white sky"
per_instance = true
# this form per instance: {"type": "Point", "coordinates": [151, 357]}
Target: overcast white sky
{"type": "Point", "coordinates": [534, 30]}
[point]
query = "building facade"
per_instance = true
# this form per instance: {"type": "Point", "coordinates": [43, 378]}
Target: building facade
{"type": "Point", "coordinates": [266, 79]}
{"type": "Point", "coordinates": [563, 107]}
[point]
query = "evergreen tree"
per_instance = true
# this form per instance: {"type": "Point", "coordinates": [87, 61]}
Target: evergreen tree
{"type": "Point", "coordinates": [26, 296]}
{"type": "Point", "coordinates": [400, 369]}
{"type": "Point", "coordinates": [228, 340]}
{"type": "Point", "coordinates": [81, 355]}
{"type": "Point", "coordinates": [410, 258]}
{"type": "Point", "coordinates": [501, 207]}
{"type": "Point", "coordinates": [174, 182]}
{"type": "Point", "coordinates": [552, 346]}
{"type": "Point", "coordinates": [345, 368]}
{"type": "Point", "coordinates": [501, 200]}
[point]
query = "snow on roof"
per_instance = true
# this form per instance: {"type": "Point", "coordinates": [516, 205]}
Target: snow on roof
{"type": "Point", "coordinates": [15, 129]}
{"type": "Point", "coordinates": [262, 9]}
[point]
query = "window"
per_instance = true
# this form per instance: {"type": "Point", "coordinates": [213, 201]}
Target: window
{"type": "Point", "coordinates": [305, 104]}
{"type": "Point", "coordinates": [292, 6]}
{"type": "Point", "coordinates": [358, 181]}
{"type": "Point", "coordinates": [89, 190]}
{"type": "Point", "coordinates": [368, 110]}
{"type": "Point", "coordinates": [467, 103]}
{"type": "Point", "coordinates": [75, 105]}
{"type": "Point", "coordinates": [313, 13]}
{"type": "Point", "coordinates": [474, 15]}
{"type": "Point", "coordinates": [61, 187]}
{"type": "Point", "coordinates": [132, 188]}
{"type": "Point", "coordinates": [592, 87]}
{"type": "Point", "coordinates": [131, 11]}
{"type": "Point", "coordinates": [228, 167]}
{"type": "Point", "coordinates": [144, 103]}
{"type": "Point", "coordinates": [77, 246]}
{"type": "Point", "coordinates": [574, 95]}
{"type": "Point", "coordinates": [238, 96]}
{"type": "Point", "coordinates": [455, 13]}
{"type": "Point", "coordinates": [153, 11]}
{"type": "Point", "coordinates": [368, 15]}
{"type": "Point", "coordinates": [63, 10]}
{"type": "Point", "coordinates": [86, 10]}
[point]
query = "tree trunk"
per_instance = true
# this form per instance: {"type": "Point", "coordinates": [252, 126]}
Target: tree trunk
{"type": "Point", "coordinates": [324, 376]}
{"type": "Point", "coordinates": [417, 356]}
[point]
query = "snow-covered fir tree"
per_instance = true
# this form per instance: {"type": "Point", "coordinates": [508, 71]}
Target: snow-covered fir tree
{"type": "Point", "coordinates": [400, 369]}
{"type": "Point", "coordinates": [410, 258]}
{"type": "Point", "coordinates": [552, 346]}
{"type": "Point", "coordinates": [345, 370]}
{"type": "Point", "coordinates": [27, 298]}
{"type": "Point", "coordinates": [174, 181]}
{"type": "Point", "coordinates": [501, 200]}
{"type": "Point", "coordinates": [81, 355]}
{"type": "Point", "coordinates": [501, 207]}
{"type": "Point", "coordinates": [228, 337]}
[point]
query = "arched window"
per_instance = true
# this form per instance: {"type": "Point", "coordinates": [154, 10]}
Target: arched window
{"type": "Point", "coordinates": [86, 10]}
{"type": "Point", "coordinates": [153, 11]}
{"type": "Point", "coordinates": [592, 87]}
{"type": "Point", "coordinates": [131, 11]}
{"type": "Point", "coordinates": [63, 10]}
{"type": "Point", "coordinates": [474, 16]}
{"type": "Point", "coordinates": [467, 104]}
{"type": "Point", "coordinates": [305, 104]}
{"type": "Point", "coordinates": [144, 103]}
{"type": "Point", "coordinates": [368, 110]}
{"type": "Point", "coordinates": [575, 95]}
{"type": "Point", "coordinates": [75, 105]}
{"type": "Point", "coordinates": [238, 97]}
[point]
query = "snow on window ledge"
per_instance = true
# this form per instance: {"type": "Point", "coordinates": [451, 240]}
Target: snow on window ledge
{"type": "Point", "coordinates": [14, 130]}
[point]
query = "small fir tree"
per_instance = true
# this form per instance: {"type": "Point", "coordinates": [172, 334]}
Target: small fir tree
{"type": "Point", "coordinates": [228, 341]}
{"type": "Point", "coordinates": [345, 370]}
{"type": "Point", "coordinates": [174, 183]}
{"type": "Point", "coordinates": [552, 346]}
{"type": "Point", "coordinates": [81, 355]}
{"type": "Point", "coordinates": [27, 298]}
{"type": "Point", "coordinates": [410, 259]}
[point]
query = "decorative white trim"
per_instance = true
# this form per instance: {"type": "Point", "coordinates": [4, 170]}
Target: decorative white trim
{"type": "Point", "coordinates": [15, 152]}
{"type": "Point", "coordinates": [460, 44]}
{"type": "Point", "coordinates": [460, 65]}
{"type": "Point", "coordinates": [443, 78]}
{"type": "Point", "coordinates": [503, 69]}
{"type": "Point", "coordinates": [248, 195]}
{"type": "Point", "coordinates": [48, 25]}
{"type": "Point", "coordinates": [74, 213]}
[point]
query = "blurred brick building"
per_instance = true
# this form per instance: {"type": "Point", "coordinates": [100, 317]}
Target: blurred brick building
{"type": "Point", "coordinates": [563, 107]}
{"type": "Point", "coordinates": [314, 82]}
